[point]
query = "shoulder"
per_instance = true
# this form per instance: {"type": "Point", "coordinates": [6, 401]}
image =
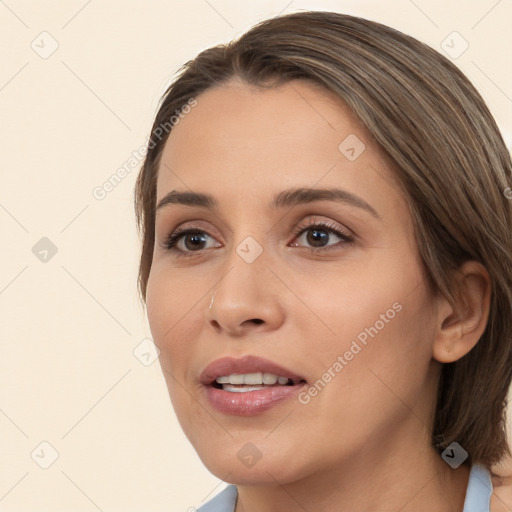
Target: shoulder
{"type": "Point", "coordinates": [479, 491]}
{"type": "Point", "coordinates": [224, 501]}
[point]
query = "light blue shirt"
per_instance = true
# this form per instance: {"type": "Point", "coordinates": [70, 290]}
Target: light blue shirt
{"type": "Point", "coordinates": [478, 494]}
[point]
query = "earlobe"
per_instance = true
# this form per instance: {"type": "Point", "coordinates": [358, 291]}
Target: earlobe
{"type": "Point", "coordinates": [461, 325]}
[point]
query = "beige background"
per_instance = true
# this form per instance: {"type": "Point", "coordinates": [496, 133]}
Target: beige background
{"type": "Point", "coordinates": [69, 325]}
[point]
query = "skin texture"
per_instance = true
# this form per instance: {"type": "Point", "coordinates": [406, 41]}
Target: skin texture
{"type": "Point", "coordinates": [364, 440]}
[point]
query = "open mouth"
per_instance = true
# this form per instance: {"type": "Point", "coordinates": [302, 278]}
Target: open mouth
{"type": "Point", "coordinates": [243, 383]}
{"type": "Point", "coordinates": [249, 385]}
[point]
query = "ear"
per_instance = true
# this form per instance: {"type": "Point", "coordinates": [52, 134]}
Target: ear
{"type": "Point", "coordinates": [459, 327]}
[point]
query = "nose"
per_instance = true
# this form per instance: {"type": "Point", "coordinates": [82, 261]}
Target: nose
{"type": "Point", "coordinates": [245, 300]}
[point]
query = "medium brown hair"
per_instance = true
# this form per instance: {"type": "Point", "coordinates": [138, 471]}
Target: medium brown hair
{"type": "Point", "coordinates": [449, 158]}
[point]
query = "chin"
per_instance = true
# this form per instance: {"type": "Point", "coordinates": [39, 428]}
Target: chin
{"type": "Point", "coordinates": [239, 461]}
{"type": "Point", "coordinates": [262, 472]}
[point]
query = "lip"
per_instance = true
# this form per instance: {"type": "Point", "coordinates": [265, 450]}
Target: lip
{"type": "Point", "coordinates": [251, 402]}
{"type": "Point", "coordinates": [246, 364]}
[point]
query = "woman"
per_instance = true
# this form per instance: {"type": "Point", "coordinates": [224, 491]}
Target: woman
{"type": "Point", "coordinates": [327, 270]}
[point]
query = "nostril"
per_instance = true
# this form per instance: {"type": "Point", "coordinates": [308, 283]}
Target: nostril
{"type": "Point", "coordinates": [257, 320]}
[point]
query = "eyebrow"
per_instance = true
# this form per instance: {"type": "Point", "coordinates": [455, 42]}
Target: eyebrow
{"type": "Point", "coordinates": [284, 199]}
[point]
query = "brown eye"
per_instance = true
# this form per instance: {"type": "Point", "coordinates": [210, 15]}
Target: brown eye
{"type": "Point", "coordinates": [185, 242]}
{"type": "Point", "coordinates": [318, 236]}
{"type": "Point", "coordinates": [194, 241]}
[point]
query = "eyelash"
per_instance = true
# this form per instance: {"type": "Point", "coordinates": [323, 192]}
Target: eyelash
{"type": "Point", "coordinates": [173, 238]}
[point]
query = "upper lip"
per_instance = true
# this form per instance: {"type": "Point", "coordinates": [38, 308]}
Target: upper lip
{"type": "Point", "coordinates": [246, 364]}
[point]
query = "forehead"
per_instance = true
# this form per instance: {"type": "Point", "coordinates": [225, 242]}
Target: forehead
{"type": "Point", "coordinates": [239, 112]}
{"type": "Point", "coordinates": [239, 136]}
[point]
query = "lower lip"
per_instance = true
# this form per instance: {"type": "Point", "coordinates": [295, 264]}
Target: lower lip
{"type": "Point", "coordinates": [250, 403]}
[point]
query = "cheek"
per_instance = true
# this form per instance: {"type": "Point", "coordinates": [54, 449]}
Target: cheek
{"type": "Point", "coordinates": [376, 314]}
{"type": "Point", "coordinates": [385, 341]}
{"type": "Point", "coordinates": [175, 316]}
{"type": "Point", "coordinates": [174, 312]}
{"type": "Point", "coordinates": [342, 303]}
{"type": "Point", "coordinates": [383, 336]}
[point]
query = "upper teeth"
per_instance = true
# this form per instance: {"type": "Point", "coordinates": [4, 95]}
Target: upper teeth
{"type": "Point", "coordinates": [252, 378]}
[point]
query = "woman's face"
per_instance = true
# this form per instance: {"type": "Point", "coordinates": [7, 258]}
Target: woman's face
{"type": "Point", "coordinates": [326, 286]}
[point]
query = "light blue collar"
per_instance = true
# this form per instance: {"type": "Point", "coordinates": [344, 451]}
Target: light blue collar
{"type": "Point", "coordinates": [225, 501]}
{"type": "Point", "coordinates": [478, 493]}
